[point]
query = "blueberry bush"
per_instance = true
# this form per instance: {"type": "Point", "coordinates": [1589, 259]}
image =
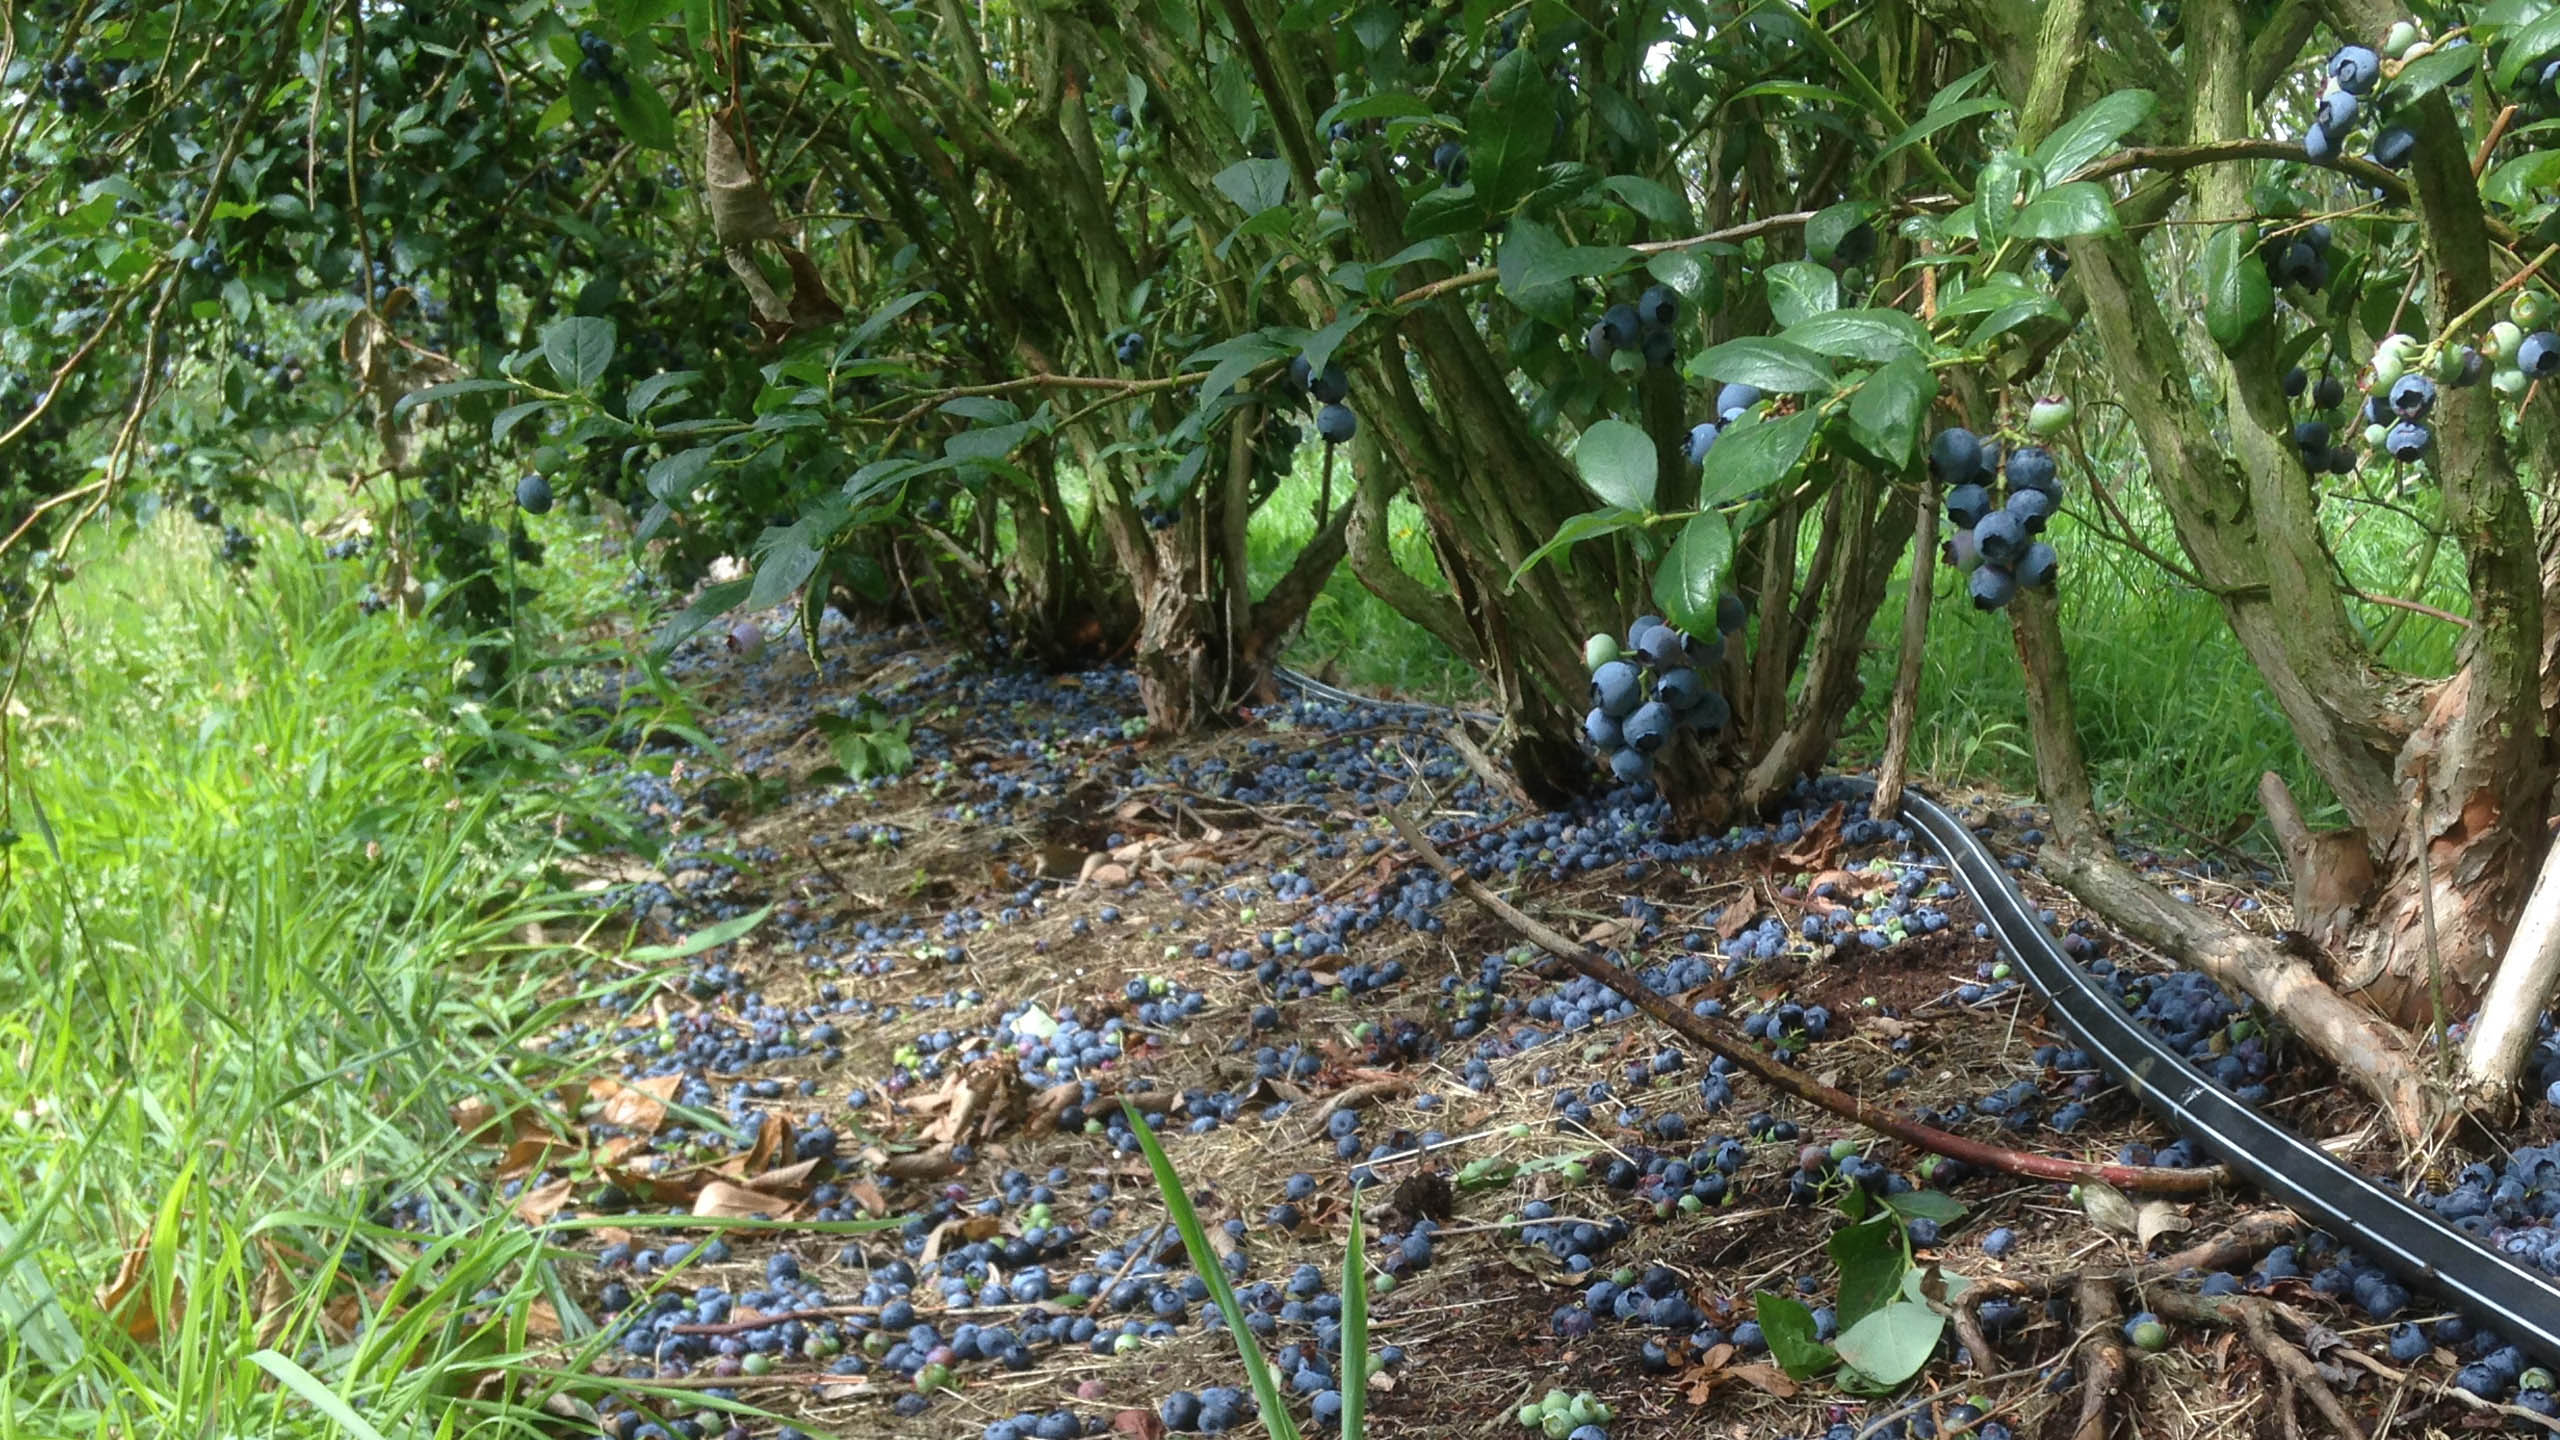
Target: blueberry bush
{"type": "Point", "coordinates": [1693, 315]}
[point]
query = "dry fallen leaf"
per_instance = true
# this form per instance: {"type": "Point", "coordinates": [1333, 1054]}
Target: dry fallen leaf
{"type": "Point", "coordinates": [1138, 1425]}
{"type": "Point", "coordinates": [720, 1199]}
{"type": "Point", "coordinates": [642, 1105]}
{"type": "Point", "coordinates": [128, 1300]}
{"type": "Point", "coordinates": [2106, 1205]}
{"type": "Point", "coordinates": [2157, 1218]}
{"type": "Point", "coordinates": [473, 1117]}
{"type": "Point", "coordinates": [542, 1202]}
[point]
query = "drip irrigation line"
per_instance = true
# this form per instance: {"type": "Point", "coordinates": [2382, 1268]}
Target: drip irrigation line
{"type": "Point", "coordinates": [2517, 1301]}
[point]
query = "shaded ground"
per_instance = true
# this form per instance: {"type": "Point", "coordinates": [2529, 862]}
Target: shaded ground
{"type": "Point", "coordinates": [965, 967]}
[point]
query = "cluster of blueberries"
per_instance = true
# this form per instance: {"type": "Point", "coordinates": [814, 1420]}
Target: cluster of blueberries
{"type": "Point", "coordinates": [1130, 348]}
{"type": "Point", "coordinates": [74, 86]}
{"type": "Point", "coordinates": [1994, 540]}
{"type": "Point", "coordinates": [599, 64]}
{"type": "Point", "coordinates": [1335, 424]}
{"type": "Point", "coordinates": [2353, 72]}
{"type": "Point", "coordinates": [1632, 716]}
{"type": "Point", "coordinates": [1124, 143]}
{"type": "Point", "coordinates": [2298, 257]}
{"type": "Point", "coordinates": [2313, 436]}
{"type": "Point", "coordinates": [1733, 399]}
{"type": "Point", "coordinates": [1644, 327]}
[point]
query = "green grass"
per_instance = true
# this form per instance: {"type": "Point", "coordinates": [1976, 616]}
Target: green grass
{"type": "Point", "coordinates": [1350, 633]}
{"type": "Point", "coordinates": [269, 917]}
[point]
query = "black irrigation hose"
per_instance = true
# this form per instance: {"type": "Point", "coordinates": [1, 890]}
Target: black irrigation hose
{"type": "Point", "coordinates": [2518, 1302]}
{"type": "Point", "coordinates": [2412, 1243]}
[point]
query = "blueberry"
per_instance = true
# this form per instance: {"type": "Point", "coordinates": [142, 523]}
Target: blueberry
{"type": "Point", "coordinates": [1336, 424]}
{"type": "Point", "coordinates": [2355, 69]}
{"type": "Point", "coordinates": [2002, 536]}
{"type": "Point", "coordinates": [2329, 393]}
{"type": "Point", "coordinates": [2407, 441]}
{"type": "Point", "coordinates": [2317, 145]}
{"type": "Point", "coordinates": [2314, 434]}
{"type": "Point", "coordinates": [2031, 508]}
{"type": "Point", "coordinates": [2336, 112]}
{"type": "Point", "coordinates": [1621, 324]}
{"type": "Point", "coordinates": [1664, 647]}
{"type": "Point", "coordinates": [1966, 505]}
{"type": "Point", "coordinates": [1955, 455]}
{"type": "Point", "coordinates": [1617, 688]}
{"type": "Point", "coordinates": [1999, 1242]}
{"type": "Point", "coordinates": [1730, 612]}
{"type": "Point", "coordinates": [1650, 726]}
{"type": "Point", "coordinates": [2412, 396]}
{"type": "Point", "coordinates": [2032, 467]}
{"type": "Point", "coordinates": [2294, 380]}
{"type": "Point", "coordinates": [2392, 148]}
{"type": "Point", "coordinates": [1658, 306]}
{"type": "Point", "coordinates": [1631, 766]}
{"type": "Point", "coordinates": [533, 495]}
{"type": "Point", "coordinates": [1992, 587]}
{"type": "Point", "coordinates": [2146, 1332]}
{"type": "Point", "coordinates": [1735, 396]}
{"type": "Point", "coordinates": [1601, 729]}
{"type": "Point", "coordinates": [2539, 355]}
{"type": "Point", "coordinates": [1332, 387]}
{"type": "Point", "coordinates": [1680, 689]}
{"type": "Point", "coordinates": [1702, 438]}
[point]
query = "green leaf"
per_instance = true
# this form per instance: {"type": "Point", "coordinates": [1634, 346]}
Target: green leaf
{"type": "Point", "coordinates": [1590, 525]}
{"type": "Point", "coordinates": [1996, 191]}
{"type": "Point", "coordinates": [1887, 412]}
{"type": "Point", "coordinates": [2010, 317]}
{"type": "Point", "coordinates": [1937, 120]}
{"type": "Point", "coordinates": [1321, 345]}
{"type": "Point", "coordinates": [2094, 131]}
{"type": "Point", "coordinates": [1935, 1205]}
{"type": "Point", "coordinates": [1788, 1327]}
{"type": "Point", "coordinates": [2535, 41]}
{"type": "Point", "coordinates": [714, 602]}
{"type": "Point", "coordinates": [1832, 224]}
{"type": "Point", "coordinates": [1873, 335]}
{"type": "Point", "coordinates": [1870, 1258]}
{"type": "Point", "coordinates": [505, 421]}
{"type": "Point", "coordinates": [1651, 199]}
{"type": "Point", "coordinates": [2514, 183]}
{"type": "Point", "coordinates": [1691, 576]}
{"type": "Point", "coordinates": [1889, 1346]}
{"type": "Point", "coordinates": [2238, 298]}
{"type": "Point", "coordinates": [642, 113]}
{"type": "Point", "coordinates": [672, 479]}
{"type": "Point", "coordinates": [2079, 208]}
{"type": "Point", "coordinates": [1254, 185]}
{"type": "Point", "coordinates": [1619, 463]}
{"type": "Point", "coordinates": [1991, 293]}
{"type": "Point", "coordinates": [1956, 89]}
{"type": "Point", "coordinates": [1354, 1370]}
{"type": "Point", "coordinates": [787, 562]}
{"type": "Point", "coordinates": [1509, 129]}
{"type": "Point", "coordinates": [1537, 271]}
{"type": "Point", "coordinates": [451, 389]}
{"type": "Point", "coordinates": [656, 390]}
{"type": "Point", "coordinates": [1680, 270]}
{"type": "Point", "coordinates": [709, 937]}
{"type": "Point", "coordinates": [1800, 288]}
{"type": "Point", "coordinates": [1204, 1261]}
{"type": "Point", "coordinates": [1754, 456]}
{"type": "Point", "coordinates": [579, 348]}
{"type": "Point", "coordinates": [315, 1394]}
{"type": "Point", "coordinates": [2432, 72]}
{"type": "Point", "coordinates": [1773, 365]}
{"type": "Point", "coordinates": [1447, 210]}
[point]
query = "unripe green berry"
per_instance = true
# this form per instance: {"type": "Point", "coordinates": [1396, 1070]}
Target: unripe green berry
{"type": "Point", "coordinates": [2504, 337]}
{"type": "Point", "coordinates": [1599, 650]}
{"type": "Point", "coordinates": [2399, 39]}
{"type": "Point", "coordinates": [2530, 308]}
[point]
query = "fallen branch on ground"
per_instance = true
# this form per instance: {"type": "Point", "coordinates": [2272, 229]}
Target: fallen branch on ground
{"type": "Point", "coordinates": [1722, 1040]}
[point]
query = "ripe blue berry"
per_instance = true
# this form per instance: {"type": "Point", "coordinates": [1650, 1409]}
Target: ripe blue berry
{"type": "Point", "coordinates": [1966, 505]}
{"type": "Point", "coordinates": [1336, 424]}
{"type": "Point", "coordinates": [2354, 69]}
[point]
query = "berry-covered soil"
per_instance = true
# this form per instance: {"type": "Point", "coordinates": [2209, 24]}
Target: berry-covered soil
{"type": "Point", "coordinates": [895, 1101]}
